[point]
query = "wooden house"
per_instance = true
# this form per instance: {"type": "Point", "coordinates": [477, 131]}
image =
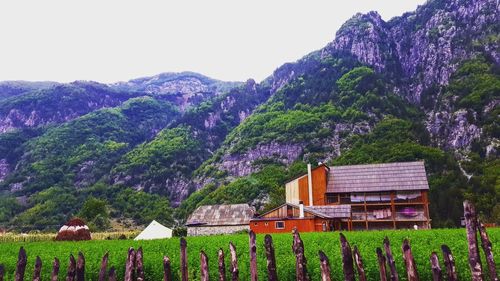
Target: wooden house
{"type": "Point", "coordinates": [219, 219]}
{"type": "Point", "coordinates": [355, 197]}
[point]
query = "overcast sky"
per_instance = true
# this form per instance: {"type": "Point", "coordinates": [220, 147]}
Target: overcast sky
{"type": "Point", "coordinates": [109, 41]}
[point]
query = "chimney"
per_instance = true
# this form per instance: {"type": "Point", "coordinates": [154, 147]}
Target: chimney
{"type": "Point", "coordinates": [309, 184]}
{"type": "Point", "coordinates": [301, 209]}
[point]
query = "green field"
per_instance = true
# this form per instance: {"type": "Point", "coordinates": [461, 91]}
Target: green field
{"type": "Point", "coordinates": [423, 242]}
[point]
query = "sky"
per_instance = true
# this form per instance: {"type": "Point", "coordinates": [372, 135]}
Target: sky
{"type": "Point", "coordinates": [118, 40]}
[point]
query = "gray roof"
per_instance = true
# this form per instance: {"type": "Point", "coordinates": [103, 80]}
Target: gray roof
{"type": "Point", "coordinates": [235, 214]}
{"type": "Point", "coordinates": [377, 177]}
{"type": "Point", "coordinates": [331, 212]}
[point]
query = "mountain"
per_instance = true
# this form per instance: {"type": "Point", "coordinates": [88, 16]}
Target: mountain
{"type": "Point", "coordinates": [422, 86]}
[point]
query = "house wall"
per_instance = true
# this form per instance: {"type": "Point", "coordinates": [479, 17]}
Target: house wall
{"type": "Point", "coordinates": [214, 230]}
{"type": "Point", "coordinates": [302, 225]}
{"type": "Point", "coordinates": [298, 190]}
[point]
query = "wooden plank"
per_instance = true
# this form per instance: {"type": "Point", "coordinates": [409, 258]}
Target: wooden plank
{"type": "Point", "coordinates": [38, 269]}
{"type": "Point", "coordinates": [234, 263]}
{"type": "Point", "coordinates": [222, 265]}
{"type": "Point", "coordinates": [471, 227]}
{"type": "Point", "coordinates": [139, 265]}
{"type": "Point", "coordinates": [488, 251]}
{"type": "Point", "coordinates": [272, 274]}
{"type": "Point", "coordinates": [347, 260]}
{"type": "Point", "coordinates": [300, 258]}
{"type": "Point", "coordinates": [390, 260]}
{"type": "Point", "coordinates": [324, 265]}
{"type": "Point", "coordinates": [112, 274]}
{"type": "Point", "coordinates": [381, 265]}
{"type": "Point", "coordinates": [70, 275]}
{"type": "Point", "coordinates": [21, 265]}
{"type": "Point", "coordinates": [436, 269]}
{"type": "Point", "coordinates": [184, 264]}
{"type": "Point", "coordinates": [167, 269]}
{"type": "Point", "coordinates": [104, 267]}
{"type": "Point", "coordinates": [130, 265]}
{"type": "Point", "coordinates": [359, 264]}
{"type": "Point", "coordinates": [253, 256]}
{"type": "Point", "coordinates": [55, 270]}
{"type": "Point", "coordinates": [411, 267]}
{"type": "Point", "coordinates": [449, 263]}
{"type": "Point", "coordinates": [80, 267]}
{"type": "Point", "coordinates": [204, 275]}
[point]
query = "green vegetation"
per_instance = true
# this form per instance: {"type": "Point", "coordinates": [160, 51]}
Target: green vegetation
{"type": "Point", "coordinates": [423, 242]}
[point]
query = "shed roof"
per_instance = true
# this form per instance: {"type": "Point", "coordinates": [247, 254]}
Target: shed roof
{"type": "Point", "coordinates": [398, 176]}
{"type": "Point", "coordinates": [327, 212]}
{"type": "Point", "coordinates": [211, 215]}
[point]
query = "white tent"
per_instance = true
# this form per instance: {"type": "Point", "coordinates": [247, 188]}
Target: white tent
{"type": "Point", "coordinates": [154, 231]}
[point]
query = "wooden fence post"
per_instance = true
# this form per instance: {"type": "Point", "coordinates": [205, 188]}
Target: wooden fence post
{"type": "Point", "coordinates": [167, 270]}
{"type": "Point", "coordinates": [359, 264]}
{"type": "Point", "coordinates": [253, 256]}
{"type": "Point", "coordinates": [471, 227]}
{"type": "Point", "coordinates": [129, 265]}
{"type": "Point", "coordinates": [234, 263]}
{"type": "Point", "coordinates": [381, 265]}
{"type": "Point", "coordinates": [70, 276]}
{"type": "Point", "coordinates": [411, 267]}
{"type": "Point", "coordinates": [2, 272]}
{"type": "Point", "coordinates": [222, 265]}
{"type": "Point", "coordinates": [21, 265]}
{"type": "Point", "coordinates": [104, 269]}
{"type": "Point", "coordinates": [271, 259]}
{"type": "Point", "coordinates": [55, 270]}
{"type": "Point", "coordinates": [488, 251]}
{"type": "Point", "coordinates": [80, 267]}
{"type": "Point", "coordinates": [324, 264]}
{"type": "Point", "coordinates": [436, 269]}
{"type": "Point", "coordinates": [390, 260]}
{"type": "Point", "coordinates": [300, 258]}
{"type": "Point", "coordinates": [347, 261]}
{"type": "Point", "coordinates": [184, 265]}
{"type": "Point", "coordinates": [140, 265]}
{"type": "Point", "coordinates": [112, 274]}
{"type": "Point", "coordinates": [204, 267]}
{"type": "Point", "coordinates": [449, 263]}
{"type": "Point", "coordinates": [38, 269]}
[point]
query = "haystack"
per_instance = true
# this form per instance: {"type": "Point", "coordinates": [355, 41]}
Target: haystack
{"type": "Point", "coordinates": [74, 230]}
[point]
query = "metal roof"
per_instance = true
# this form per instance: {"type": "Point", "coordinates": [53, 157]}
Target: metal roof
{"type": "Point", "coordinates": [331, 212]}
{"type": "Point", "coordinates": [236, 214]}
{"type": "Point", "coordinates": [398, 176]}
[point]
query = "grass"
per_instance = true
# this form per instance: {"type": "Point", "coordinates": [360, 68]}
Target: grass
{"type": "Point", "coordinates": [423, 243]}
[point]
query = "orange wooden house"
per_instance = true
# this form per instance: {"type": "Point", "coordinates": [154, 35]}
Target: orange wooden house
{"type": "Point", "coordinates": [355, 197]}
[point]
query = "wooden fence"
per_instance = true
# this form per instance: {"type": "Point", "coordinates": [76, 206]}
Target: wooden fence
{"type": "Point", "coordinates": [352, 261]}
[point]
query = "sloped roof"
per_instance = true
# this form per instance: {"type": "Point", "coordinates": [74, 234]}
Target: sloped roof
{"type": "Point", "coordinates": [235, 214]}
{"type": "Point", "coordinates": [331, 212]}
{"type": "Point", "coordinates": [398, 176]}
{"type": "Point", "coordinates": [154, 230]}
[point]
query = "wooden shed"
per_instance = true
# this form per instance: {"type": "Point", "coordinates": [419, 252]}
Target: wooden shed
{"type": "Point", "coordinates": [219, 219]}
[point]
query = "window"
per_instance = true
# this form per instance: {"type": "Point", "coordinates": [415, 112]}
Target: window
{"type": "Point", "coordinates": [266, 223]}
{"type": "Point", "coordinates": [255, 223]}
{"type": "Point", "coordinates": [332, 198]}
{"type": "Point", "coordinates": [280, 225]}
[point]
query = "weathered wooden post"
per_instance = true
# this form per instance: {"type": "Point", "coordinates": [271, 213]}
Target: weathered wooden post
{"type": "Point", "coordinates": [347, 261]}
{"type": "Point", "coordinates": [488, 251]}
{"type": "Point", "coordinates": [80, 267]}
{"type": "Point", "coordinates": [300, 258]}
{"type": "Point", "coordinates": [359, 264]}
{"type": "Point", "coordinates": [112, 274]}
{"type": "Point", "coordinates": [436, 269]}
{"type": "Point", "coordinates": [253, 256]}
{"type": "Point", "coordinates": [222, 265]}
{"type": "Point", "coordinates": [471, 227]}
{"type": "Point", "coordinates": [324, 264]}
{"type": "Point", "coordinates": [234, 263]}
{"type": "Point", "coordinates": [272, 275]}
{"type": "Point", "coordinates": [55, 270]}
{"type": "Point", "coordinates": [411, 267]}
{"type": "Point", "coordinates": [381, 265]}
{"type": "Point", "coordinates": [167, 269]}
{"type": "Point", "coordinates": [70, 276]}
{"type": "Point", "coordinates": [2, 272]}
{"type": "Point", "coordinates": [390, 260]}
{"type": "Point", "coordinates": [449, 263]}
{"type": "Point", "coordinates": [184, 265]}
{"type": "Point", "coordinates": [140, 265]}
{"type": "Point", "coordinates": [104, 267]}
{"type": "Point", "coordinates": [204, 267]}
{"type": "Point", "coordinates": [21, 265]}
{"type": "Point", "coordinates": [38, 269]}
{"type": "Point", "coordinates": [129, 265]}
